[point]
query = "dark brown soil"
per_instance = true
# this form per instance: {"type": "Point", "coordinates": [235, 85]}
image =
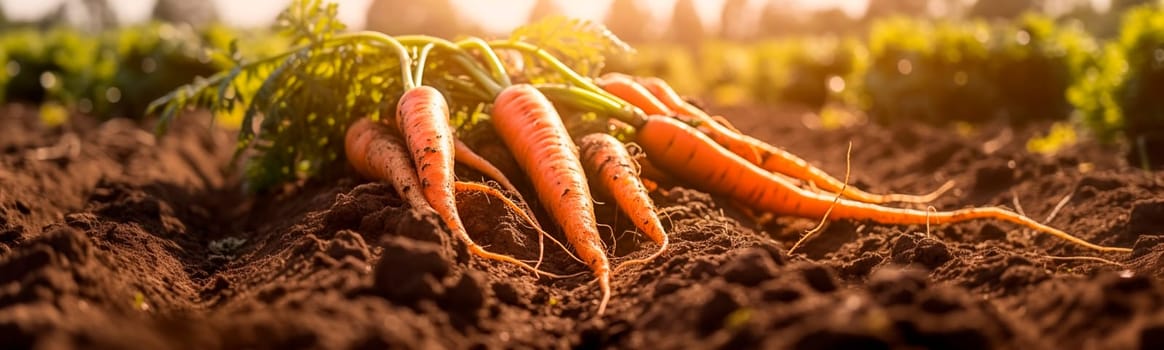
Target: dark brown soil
{"type": "Point", "coordinates": [111, 238]}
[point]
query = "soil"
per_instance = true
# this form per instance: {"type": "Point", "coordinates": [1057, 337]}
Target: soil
{"type": "Point", "coordinates": [112, 238]}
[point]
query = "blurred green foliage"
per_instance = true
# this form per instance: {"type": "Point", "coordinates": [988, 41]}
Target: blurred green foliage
{"type": "Point", "coordinates": [1016, 68]}
{"type": "Point", "coordinates": [116, 72]}
{"type": "Point", "coordinates": [909, 69]}
{"type": "Point", "coordinates": [939, 72]}
{"type": "Point", "coordinates": [904, 70]}
{"type": "Point", "coordinates": [1120, 94]}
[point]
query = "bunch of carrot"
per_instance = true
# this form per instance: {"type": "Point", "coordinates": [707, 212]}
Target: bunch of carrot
{"type": "Point", "coordinates": [416, 151]}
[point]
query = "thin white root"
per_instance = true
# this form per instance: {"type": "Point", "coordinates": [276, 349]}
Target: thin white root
{"type": "Point", "coordinates": [1018, 208]}
{"type": "Point", "coordinates": [929, 210]}
{"type": "Point", "coordinates": [1059, 206]}
{"type": "Point", "coordinates": [837, 198]}
{"type": "Point", "coordinates": [1084, 258]}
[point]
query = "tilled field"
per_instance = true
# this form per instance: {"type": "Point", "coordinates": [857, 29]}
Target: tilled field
{"type": "Point", "coordinates": [112, 238]}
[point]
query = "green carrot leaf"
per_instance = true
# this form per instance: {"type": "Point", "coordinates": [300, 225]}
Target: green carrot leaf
{"type": "Point", "coordinates": [581, 44]}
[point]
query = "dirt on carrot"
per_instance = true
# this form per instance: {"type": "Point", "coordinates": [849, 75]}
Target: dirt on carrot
{"type": "Point", "coordinates": [121, 240]}
{"type": "Point", "coordinates": [530, 126]}
{"type": "Point", "coordinates": [615, 175]}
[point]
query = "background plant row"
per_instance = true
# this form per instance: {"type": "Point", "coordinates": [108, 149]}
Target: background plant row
{"type": "Point", "coordinates": [903, 70]}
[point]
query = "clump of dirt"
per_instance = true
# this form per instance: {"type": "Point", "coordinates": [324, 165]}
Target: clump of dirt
{"type": "Point", "coordinates": [113, 238]}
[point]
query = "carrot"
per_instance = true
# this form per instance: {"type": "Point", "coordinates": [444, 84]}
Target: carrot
{"type": "Point", "coordinates": [606, 159]}
{"type": "Point", "coordinates": [422, 114]}
{"type": "Point", "coordinates": [531, 128]}
{"type": "Point", "coordinates": [376, 153]}
{"type": "Point", "coordinates": [693, 157]}
{"type": "Point", "coordinates": [626, 88]}
{"type": "Point", "coordinates": [663, 91]}
{"type": "Point", "coordinates": [773, 158]}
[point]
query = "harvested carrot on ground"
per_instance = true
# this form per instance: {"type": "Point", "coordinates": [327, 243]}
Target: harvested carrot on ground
{"type": "Point", "coordinates": [678, 148]}
{"type": "Point", "coordinates": [422, 115]}
{"type": "Point", "coordinates": [311, 94]}
{"type": "Point", "coordinates": [377, 153]}
{"type": "Point", "coordinates": [462, 153]}
{"type": "Point", "coordinates": [693, 157]}
{"type": "Point", "coordinates": [532, 129]}
{"type": "Point", "coordinates": [607, 160]}
{"type": "Point", "coordinates": [773, 158]}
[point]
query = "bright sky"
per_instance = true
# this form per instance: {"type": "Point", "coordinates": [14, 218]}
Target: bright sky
{"type": "Point", "coordinates": [495, 15]}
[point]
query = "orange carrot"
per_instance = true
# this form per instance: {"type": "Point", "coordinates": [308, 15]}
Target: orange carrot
{"type": "Point", "coordinates": [778, 160]}
{"type": "Point", "coordinates": [773, 158]}
{"type": "Point", "coordinates": [624, 87]}
{"type": "Point", "coordinates": [423, 116]}
{"type": "Point", "coordinates": [663, 91]}
{"type": "Point", "coordinates": [693, 157]}
{"type": "Point", "coordinates": [531, 128]}
{"type": "Point", "coordinates": [606, 159]}
{"type": "Point", "coordinates": [376, 153]}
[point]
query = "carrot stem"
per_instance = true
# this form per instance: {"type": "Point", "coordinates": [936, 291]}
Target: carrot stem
{"type": "Point", "coordinates": [421, 60]}
{"type": "Point", "coordinates": [471, 67]}
{"type": "Point", "coordinates": [557, 65]}
{"type": "Point", "coordinates": [545, 56]}
{"type": "Point", "coordinates": [467, 88]}
{"type": "Point", "coordinates": [499, 72]}
{"type": "Point", "coordinates": [592, 101]}
{"type": "Point", "coordinates": [491, 87]}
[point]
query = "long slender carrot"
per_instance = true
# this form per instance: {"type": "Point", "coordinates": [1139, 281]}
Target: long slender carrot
{"type": "Point", "coordinates": [422, 115]}
{"type": "Point", "coordinates": [693, 157]}
{"type": "Point", "coordinates": [377, 153]}
{"type": "Point", "coordinates": [773, 158]}
{"type": "Point", "coordinates": [461, 152]}
{"type": "Point", "coordinates": [531, 128]}
{"type": "Point", "coordinates": [606, 159]}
